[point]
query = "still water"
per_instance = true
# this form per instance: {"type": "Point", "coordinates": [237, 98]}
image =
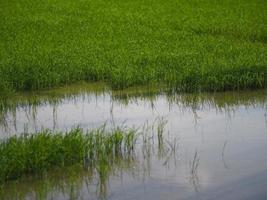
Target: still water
{"type": "Point", "coordinates": [215, 144]}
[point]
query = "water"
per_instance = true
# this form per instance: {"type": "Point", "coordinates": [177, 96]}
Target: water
{"type": "Point", "coordinates": [220, 143]}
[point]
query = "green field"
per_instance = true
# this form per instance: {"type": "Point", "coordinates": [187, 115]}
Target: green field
{"type": "Point", "coordinates": [186, 45]}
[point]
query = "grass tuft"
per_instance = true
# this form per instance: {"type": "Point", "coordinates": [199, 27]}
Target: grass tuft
{"type": "Point", "coordinates": [38, 153]}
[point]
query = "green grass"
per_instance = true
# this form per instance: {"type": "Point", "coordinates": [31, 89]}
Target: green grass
{"type": "Point", "coordinates": [188, 45]}
{"type": "Point", "coordinates": [46, 162]}
{"type": "Point", "coordinates": [40, 152]}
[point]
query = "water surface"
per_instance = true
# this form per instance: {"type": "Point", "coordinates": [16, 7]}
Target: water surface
{"type": "Point", "coordinates": [222, 135]}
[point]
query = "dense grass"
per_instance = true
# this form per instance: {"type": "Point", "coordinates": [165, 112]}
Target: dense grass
{"type": "Point", "coordinates": [38, 153]}
{"type": "Point", "coordinates": [185, 44]}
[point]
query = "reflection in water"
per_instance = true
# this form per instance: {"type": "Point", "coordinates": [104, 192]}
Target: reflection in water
{"type": "Point", "coordinates": [193, 172]}
{"type": "Point", "coordinates": [83, 181]}
{"type": "Point", "coordinates": [59, 110]}
{"type": "Point", "coordinates": [223, 159]}
{"type": "Point", "coordinates": [212, 142]}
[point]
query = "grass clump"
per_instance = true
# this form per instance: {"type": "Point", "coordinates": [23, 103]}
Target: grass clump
{"type": "Point", "coordinates": [38, 153]}
{"type": "Point", "coordinates": [187, 45]}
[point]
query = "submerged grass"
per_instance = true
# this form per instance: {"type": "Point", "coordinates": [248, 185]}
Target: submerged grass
{"type": "Point", "coordinates": [187, 45]}
{"type": "Point", "coordinates": [88, 160]}
{"type": "Point", "coordinates": [37, 153]}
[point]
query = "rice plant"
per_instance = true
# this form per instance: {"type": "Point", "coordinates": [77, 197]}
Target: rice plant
{"type": "Point", "coordinates": [186, 45]}
{"type": "Point", "coordinates": [37, 153]}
